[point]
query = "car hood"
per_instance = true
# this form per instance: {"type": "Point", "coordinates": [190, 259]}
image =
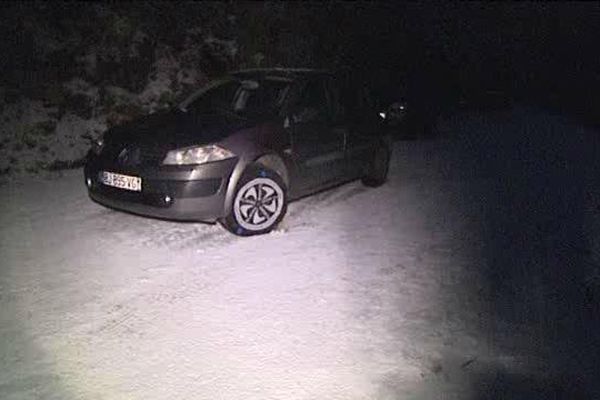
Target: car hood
{"type": "Point", "coordinates": [176, 129]}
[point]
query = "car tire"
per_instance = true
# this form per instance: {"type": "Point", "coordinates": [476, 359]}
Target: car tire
{"type": "Point", "coordinates": [378, 167]}
{"type": "Point", "coordinates": [259, 202]}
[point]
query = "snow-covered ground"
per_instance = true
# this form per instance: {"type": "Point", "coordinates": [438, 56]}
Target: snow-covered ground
{"type": "Point", "coordinates": [457, 279]}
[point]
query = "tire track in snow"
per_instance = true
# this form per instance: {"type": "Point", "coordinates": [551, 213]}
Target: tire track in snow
{"type": "Point", "coordinates": [301, 212]}
{"type": "Point", "coordinates": [205, 237]}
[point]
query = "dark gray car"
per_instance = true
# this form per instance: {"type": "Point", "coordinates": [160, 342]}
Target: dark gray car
{"type": "Point", "coordinates": [238, 150]}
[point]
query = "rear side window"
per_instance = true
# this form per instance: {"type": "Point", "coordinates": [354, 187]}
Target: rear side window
{"type": "Point", "coordinates": [358, 102]}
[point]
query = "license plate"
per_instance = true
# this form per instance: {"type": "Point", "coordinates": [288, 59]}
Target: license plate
{"type": "Point", "coordinates": [126, 182]}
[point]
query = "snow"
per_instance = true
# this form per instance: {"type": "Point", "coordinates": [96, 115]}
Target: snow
{"type": "Point", "coordinates": [33, 138]}
{"type": "Point", "coordinates": [53, 128]}
{"type": "Point", "coordinates": [363, 293]}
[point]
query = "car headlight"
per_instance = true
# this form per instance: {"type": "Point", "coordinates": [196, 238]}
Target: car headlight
{"type": "Point", "coordinates": [197, 155]}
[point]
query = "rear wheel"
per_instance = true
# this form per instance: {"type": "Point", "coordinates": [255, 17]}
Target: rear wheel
{"type": "Point", "coordinates": [377, 170]}
{"type": "Point", "coordinates": [259, 202]}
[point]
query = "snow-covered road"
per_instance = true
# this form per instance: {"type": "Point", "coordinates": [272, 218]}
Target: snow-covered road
{"type": "Point", "coordinates": [386, 293]}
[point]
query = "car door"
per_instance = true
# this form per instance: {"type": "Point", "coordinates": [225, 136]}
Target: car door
{"type": "Point", "coordinates": [317, 146]}
{"type": "Point", "coordinates": [363, 125]}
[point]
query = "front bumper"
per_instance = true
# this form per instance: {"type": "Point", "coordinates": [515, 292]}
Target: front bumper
{"type": "Point", "coordinates": [194, 193]}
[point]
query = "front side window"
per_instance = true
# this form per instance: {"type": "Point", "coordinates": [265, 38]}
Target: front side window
{"type": "Point", "coordinates": [311, 105]}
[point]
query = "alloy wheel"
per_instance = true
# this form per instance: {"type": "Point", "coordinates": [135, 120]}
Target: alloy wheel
{"type": "Point", "coordinates": [258, 204]}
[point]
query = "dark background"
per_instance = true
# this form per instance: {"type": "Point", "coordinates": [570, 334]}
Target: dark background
{"type": "Point", "coordinates": [536, 51]}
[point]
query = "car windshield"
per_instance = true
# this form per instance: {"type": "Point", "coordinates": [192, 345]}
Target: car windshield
{"type": "Point", "coordinates": [241, 97]}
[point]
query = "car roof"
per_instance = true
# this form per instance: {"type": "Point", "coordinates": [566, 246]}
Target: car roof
{"type": "Point", "coordinates": [290, 73]}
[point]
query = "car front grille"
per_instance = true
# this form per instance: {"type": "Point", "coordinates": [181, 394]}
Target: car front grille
{"type": "Point", "coordinates": [133, 155]}
{"type": "Point", "coordinates": [151, 156]}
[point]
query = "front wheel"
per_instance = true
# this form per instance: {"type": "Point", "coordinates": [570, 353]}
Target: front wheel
{"type": "Point", "coordinates": [259, 202]}
{"type": "Point", "coordinates": [377, 170]}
